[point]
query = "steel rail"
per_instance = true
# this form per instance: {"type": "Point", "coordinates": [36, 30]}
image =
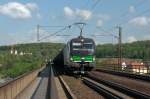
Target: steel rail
{"type": "Point", "coordinates": [100, 89]}
{"type": "Point", "coordinates": [65, 87]}
{"type": "Point", "coordinates": [121, 88]}
{"type": "Point", "coordinates": [124, 74]}
{"type": "Point", "coordinates": [53, 88]}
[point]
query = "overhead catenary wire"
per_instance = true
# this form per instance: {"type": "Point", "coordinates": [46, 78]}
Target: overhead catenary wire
{"type": "Point", "coordinates": [95, 4]}
{"type": "Point", "coordinates": [138, 4]}
{"type": "Point", "coordinates": [92, 8]}
{"type": "Point", "coordinates": [46, 26]}
{"type": "Point", "coordinates": [108, 33]}
{"type": "Point", "coordinates": [124, 14]}
{"type": "Point", "coordinates": [127, 21]}
{"type": "Point", "coordinates": [135, 6]}
{"type": "Point", "coordinates": [63, 35]}
{"type": "Point", "coordinates": [66, 27]}
{"type": "Point", "coordinates": [61, 30]}
{"type": "Point", "coordinates": [138, 15]}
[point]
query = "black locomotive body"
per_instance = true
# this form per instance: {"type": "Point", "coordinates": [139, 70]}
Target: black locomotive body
{"type": "Point", "coordinates": [79, 54]}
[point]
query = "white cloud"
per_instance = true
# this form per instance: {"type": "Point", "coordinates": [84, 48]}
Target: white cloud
{"type": "Point", "coordinates": [131, 39]}
{"type": "Point", "coordinates": [32, 6]}
{"type": "Point", "coordinates": [131, 9]}
{"type": "Point", "coordinates": [71, 13]}
{"type": "Point", "coordinates": [99, 23]}
{"type": "Point", "coordinates": [18, 10]}
{"type": "Point", "coordinates": [140, 21]}
{"type": "Point", "coordinates": [68, 12]}
{"type": "Point", "coordinates": [84, 14]}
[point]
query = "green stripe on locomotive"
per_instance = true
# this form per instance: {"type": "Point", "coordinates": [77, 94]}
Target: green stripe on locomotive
{"type": "Point", "coordinates": [88, 58]}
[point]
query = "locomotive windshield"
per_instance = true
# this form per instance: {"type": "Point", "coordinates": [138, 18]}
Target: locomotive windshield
{"type": "Point", "coordinates": [82, 46]}
{"type": "Point", "coordinates": [88, 45]}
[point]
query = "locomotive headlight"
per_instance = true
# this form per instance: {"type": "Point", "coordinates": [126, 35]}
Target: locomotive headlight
{"type": "Point", "coordinates": [82, 58]}
{"type": "Point", "coordinates": [71, 59]}
{"type": "Point", "coordinates": [82, 40]}
{"type": "Point", "coordinates": [93, 58]}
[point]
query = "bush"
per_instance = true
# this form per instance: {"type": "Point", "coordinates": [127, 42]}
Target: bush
{"type": "Point", "coordinates": [16, 65]}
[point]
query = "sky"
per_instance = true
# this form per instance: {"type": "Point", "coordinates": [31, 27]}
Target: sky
{"type": "Point", "coordinates": [19, 20]}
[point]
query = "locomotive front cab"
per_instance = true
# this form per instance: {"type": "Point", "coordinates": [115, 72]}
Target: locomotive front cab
{"type": "Point", "coordinates": [83, 52]}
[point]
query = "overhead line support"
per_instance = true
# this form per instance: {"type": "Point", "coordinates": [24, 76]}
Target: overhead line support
{"type": "Point", "coordinates": [38, 33]}
{"type": "Point", "coordinates": [120, 46]}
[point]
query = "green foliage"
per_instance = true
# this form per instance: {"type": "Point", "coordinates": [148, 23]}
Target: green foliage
{"type": "Point", "coordinates": [135, 50]}
{"type": "Point", "coordinates": [15, 65]}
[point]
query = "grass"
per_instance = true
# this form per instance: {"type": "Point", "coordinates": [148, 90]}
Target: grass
{"type": "Point", "coordinates": [18, 65]}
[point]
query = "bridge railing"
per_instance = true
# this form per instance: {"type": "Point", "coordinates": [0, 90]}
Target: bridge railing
{"type": "Point", "coordinates": [11, 89]}
{"type": "Point", "coordinates": [135, 69]}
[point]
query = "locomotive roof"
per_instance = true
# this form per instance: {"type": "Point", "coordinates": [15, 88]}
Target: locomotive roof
{"type": "Point", "coordinates": [79, 39]}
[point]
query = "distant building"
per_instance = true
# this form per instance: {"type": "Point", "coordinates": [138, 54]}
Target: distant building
{"type": "Point", "coordinates": [138, 67]}
{"type": "Point", "coordinates": [28, 53]}
{"type": "Point", "coordinates": [21, 53]}
{"type": "Point", "coordinates": [124, 65]}
{"type": "Point", "coordinates": [16, 52]}
{"type": "Point", "coordinates": [11, 51]}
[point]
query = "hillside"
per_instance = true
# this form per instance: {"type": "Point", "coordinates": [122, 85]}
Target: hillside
{"type": "Point", "coordinates": [31, 56]}
{"type": "Point", "coordinates": [25, 57]}
{"type": "Point", "coordinates": [135, 50]}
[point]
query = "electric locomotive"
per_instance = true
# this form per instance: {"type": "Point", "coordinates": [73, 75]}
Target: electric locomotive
{"type": "Point", "coordinates": [79, 55]}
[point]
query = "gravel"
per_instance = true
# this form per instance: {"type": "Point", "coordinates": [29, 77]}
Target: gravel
{"type": "Point", "coordinates": [80, 90]}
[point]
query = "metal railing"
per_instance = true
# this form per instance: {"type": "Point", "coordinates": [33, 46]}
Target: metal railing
{"type": "Point", "coordinates": [135, 69]}
{"type": "Point", "coordinates": [11, 89]}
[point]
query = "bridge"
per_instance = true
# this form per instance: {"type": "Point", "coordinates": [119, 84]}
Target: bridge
{"type": "Point", "coordinates": [48, 82]}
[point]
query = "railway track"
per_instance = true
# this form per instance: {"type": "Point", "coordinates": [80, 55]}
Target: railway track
{"type": "Point", "coordinates": [124, 74]}
{"type": "Point", "coordinates": [74, 88]}
{"type": "Point", "coordinates": [105, 90]}
{"type": "Point", "coordinates": [101, 89]}
{"type": "Point", "coordinates": [79, 89]}
{"type": "Point", "coordinates": [130, 93]}
{"type": "Point", "coordinates": [65, 90]}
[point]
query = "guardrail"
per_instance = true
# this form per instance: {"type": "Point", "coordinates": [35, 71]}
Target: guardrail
{"type": "Point", "coordinates": [11, 89]}
{"type": "Point", "coordinates": [135, 69]}
{"type": "Point", "coordinates": [125, 74]}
